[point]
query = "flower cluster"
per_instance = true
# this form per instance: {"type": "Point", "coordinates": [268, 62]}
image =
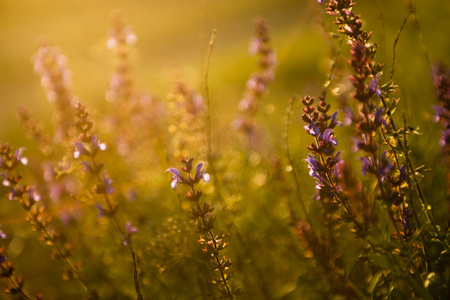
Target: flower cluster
{"type": "Point", "coordinates": [324, 163]}
{"type": "Point", "coordinates": [258, 82]}
{"type": "Point", "coordinates": [441, 80]}
{"type": "Point", "coordinates": [132, 108]}
{"type": "Point", "coordinates": [121, 37]}
{"type": "Point", "coordinates": [88, 145]}
{"type": "Point", "coordinates": [186, 112]}
{"type": "Point", "coordinates": [393, 170]}
{"type": "Point", "coordinates": [37, 216]}
{"type": "Point", "coordinates": [51, 65]}
{"type": "Point", "coordinates": [335, 184]}
{"type": "Point", "coordinates": [35, 130]}
{"type": "Point", "coordinates": [375, 107]}
{"type": "Point", "coordinates": [213, 244]}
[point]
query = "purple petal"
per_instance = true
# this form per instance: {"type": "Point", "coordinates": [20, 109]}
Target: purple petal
{"type": "Point", "coordinates": [107, 183]}
{"type": "Point", "coordinates": [174, 172]}
{"type": "Point", "coordinates": [129, 228]}
{"type": "Point", "coordinates": [198, 169]}
{"type": "Point", "coordinates": [101, 210]}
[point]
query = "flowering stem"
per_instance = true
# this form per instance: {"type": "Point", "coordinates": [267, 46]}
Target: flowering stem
{"type": "Point", "coordinates": [17, 287]}
{"type": "Point", "coordinates": [119, 228]}
{"type": "Point", "coordinates": [412, 171]}
{"type": "Point", "coordinates": [216, 250]}
{"type": "Point", "coordinates": [333, 185]}
{"type": "Point", "coordinates": [34, 217]}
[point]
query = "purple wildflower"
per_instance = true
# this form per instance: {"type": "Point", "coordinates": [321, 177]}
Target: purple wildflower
{"type": "Point", "coordinates": [97, 143]}
{"type": "Point", "coordinates": [107, 183]}
{"type": "Point", "coordinates": [79, 150]}
{"type": "Point", "coordinates": [440, 112]}
{"type": "Point", "coordinates": [374, 88]}
{"type": "Point", "coordinates": [200, 173]}
{"type": "Point", "coordinates": [314, 166]}
{"type": "Point", "coordinates": [87, 166]}
{"type": "Point", "coordinates": [33, 195]}
{"type": "Point", "coordinates": [312, 129]}
{"type": "Point", "coordinates": [129, 230]}
{"type": "Point", "coordinates": [3, 235]}
{"type": "Point", "coordinates": [367, 165]}
{"type": "Point", "coordinates": [379, 117]}
{"type": "Point", "coordinates": [176, 177]}
{"type": "Point", "coordinates": [101, 210]}
{"type": "Point", "coordinates": [19, 156]}
{"type": "Point", "coordinates": [328, 137]}
{"type": "Point", "coordinates": [403, 174]}
{"type": "Point", "coordinates": [334, 120]}
{"type": "Point", "coordinates": [5, 181]}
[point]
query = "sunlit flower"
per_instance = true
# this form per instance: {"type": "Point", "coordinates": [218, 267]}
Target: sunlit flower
{"type": "Point", "coordinates": [101, 210]}
{"type": "Point", "coordinates": [312, 129]}
{"type": "Point", "coordinates": [79, 150]}
{"type": "Point", "coordinates": [176, 177]}
{"type": "Point", "coordinates": [200, 173]}
{"type": "Point", "coordinates": [328, 137]}
{"type": "Point", "coordinates": [107, 183]}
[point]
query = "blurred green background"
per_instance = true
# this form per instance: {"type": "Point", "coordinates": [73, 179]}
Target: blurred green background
{"type": "Point", "coordinates": [172, 44]}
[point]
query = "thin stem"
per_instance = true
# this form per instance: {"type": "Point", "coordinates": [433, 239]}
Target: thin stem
{"type": "Point", "coordinates": [119, 228]}
{"type": "Point", "coordinates": [18, 288]}
{"type": "Point", "coordinates": [206, 91]}
{"type": "Point", "coordinates": [289, 157]}
{"type": "Point", "coordinates": [63, 255]}
{"type": "Point", "coordinates": [330, 75]}
{"type": "Point", "coordinates": [216, 250]}
{"type": "Point", "coordinates": [208, 115]}
{"type": "Point", "coordinates": [416, 218]}
{"type": "Point", "coordinates": [395, 43]}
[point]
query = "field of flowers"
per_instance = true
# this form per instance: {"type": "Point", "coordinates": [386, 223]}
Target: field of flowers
{"type": "Point", "coordinates": [273, 150]}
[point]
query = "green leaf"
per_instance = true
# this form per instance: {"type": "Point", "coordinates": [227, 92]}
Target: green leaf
{"type": "Point", "coordinates": [374, 282]}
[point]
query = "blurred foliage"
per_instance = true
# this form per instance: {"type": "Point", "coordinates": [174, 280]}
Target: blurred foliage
{"type": "Point", "coordinates": [165, 115]}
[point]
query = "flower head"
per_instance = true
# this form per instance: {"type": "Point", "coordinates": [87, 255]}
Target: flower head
{"type": "Point", "coordinates": [107, 183]}
{"type": "Point", "coordinates": [312, 129]}
{"type": "Point", "coordinates": [328, 137]}
{"type": "Point", "coordinates": [176, 177]}
{"type": "Point", "coordinates": [200, 173]}
{"type": "Point", "coordinates": [101, 210]}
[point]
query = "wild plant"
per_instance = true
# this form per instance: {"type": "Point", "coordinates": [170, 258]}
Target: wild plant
{"type": "Point", "coordinates": [204, 222]}
{"type": "Point", "coordinates": [87, 147]}
{"type": "Point", "coordinates": [386, 157]}
{"type": "Point", "coordinates": [38, 218]}
{"type": "Point", "coordinates": [257, 84]}
{"type": "Point", "coordinates": [107, 221]}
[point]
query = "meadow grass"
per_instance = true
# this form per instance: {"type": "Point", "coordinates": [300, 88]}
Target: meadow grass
{"type": "Point", "coordinates": [143, 199]}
